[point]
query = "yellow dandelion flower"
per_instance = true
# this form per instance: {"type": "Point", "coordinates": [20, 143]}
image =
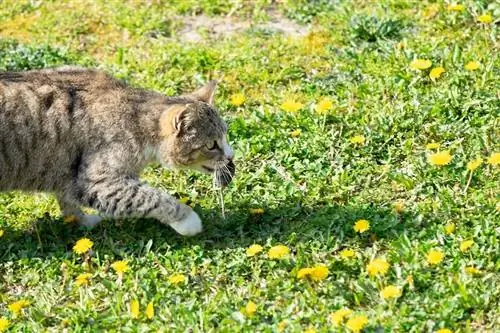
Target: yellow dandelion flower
{"type": "Point", "coordinates": [357, 323]}
{"type": "Point", "coordinates": [177, 278]}
{"type": "Point", "coordinates": [378, 266]}
{"type": "Point", "coordinates": [324, 105]}
{"type": "Point", "coordinates": [253, 250]}
{"type": "Point", "coordinates": [150, 310]}
{"type": "Point", "coordinates": [465, 245]}
{"type": "Point", "coordinates": [82, 279]}
{"type": "Point", "coordinates": [17, 307]}
{"type": "Point", "coordinates": [361, 226]}
{"type": "Point", "coordinates": [291, 106]}
{"type": "Point", "coordinates": [357, 139]}
{"type": "Point", "coordinates": [494, 159]}
{"type": "Point", "coordinates": [82, 246]}
{"type": "Point", "coordinates": [319, 272]}
{"type": "Point", "coordinates": [432, 145]}
{"type": "Point", "coordinates": [485, 18]}
{"type": "Point", "coordinates": [282, 325]}
{"type": "Point", "coordinates": [410, 280]}
{"type": "Point", "coordinates": [436, 73]}
{"type": "Point", "coordinates": [134, 309]}
{"type": "Point", "coordinates": [256, 211]}
{"type": "Point", "coordinates": [70, 219]}
{"type": "Point", "coordinates": [474, 164]}
{"type": "Point", "coordinates": [444, 330]}
{"type": "Point", "coordinates": [4, 324]}
{"type": "Point", "coordinates": [250, 309]}
{"type": "Point", "coordinates": [304, 272]}
{"type": "Point", "coordinates": [120, 266]}
{"type": "Point", "coordinates": [237, 99]}
{"type": "Point", "coordinates": [278, 252]}
{"type": "Point", "coordinates": [441, 158]}
{"type": "Point", "coordinates": [449, 228]}
{"type": "Point", "coordinates": [435, 257]}
{"type": "Point", "coordinates": [347, 253]}
{"type": "Point", "coordinates": [338, 316]}
{"type": "Point", "coordinates": [1, 232]}
{"type": "Point", "coordinates": [472, 65]}
{"type": "Point", "coordinates": [471, 270]}
{"type": "Point", "coordinates": [184, 200]}
{"type": "Point", "coordinates": [430, 11]}
{"type": "Point", "coordinates": [455, 7]}
{"type": "Point", "coordinates": [296, 133]}
{"type": "Point", "coordinates": [390, 292]}
{"type": "Point", "coordinates": [399, 206]}
{"type": "Point", "coordinates": [420, 64]}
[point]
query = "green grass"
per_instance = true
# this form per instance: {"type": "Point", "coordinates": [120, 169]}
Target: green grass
{"type": "Point", "coordinates": [313, 188]}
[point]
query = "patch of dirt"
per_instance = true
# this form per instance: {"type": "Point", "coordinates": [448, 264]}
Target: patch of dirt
{"type": "Point", "coordinates": [196, 28]}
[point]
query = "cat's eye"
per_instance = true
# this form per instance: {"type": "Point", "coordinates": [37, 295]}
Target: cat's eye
{"type": "Point", "coordinates": [212, 146]}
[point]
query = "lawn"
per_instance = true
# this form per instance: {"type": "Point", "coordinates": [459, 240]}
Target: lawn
{"type": "Point", "coordinates": [366, 195]}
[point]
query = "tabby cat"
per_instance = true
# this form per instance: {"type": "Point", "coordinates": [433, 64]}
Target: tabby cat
{"type": "Point", "coordinates": [85, 136]}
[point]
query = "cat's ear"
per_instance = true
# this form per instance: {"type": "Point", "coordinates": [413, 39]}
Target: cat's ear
{"type": "Point", "coordinates": [171, 120]}
{"type": "Point", "coordinates": [178, 119]}
{"type": "Point", "coordinates": [206, 93]}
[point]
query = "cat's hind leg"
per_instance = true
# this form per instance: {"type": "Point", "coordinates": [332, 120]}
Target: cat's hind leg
{"type": "Point", "coordinates": [72, 213]}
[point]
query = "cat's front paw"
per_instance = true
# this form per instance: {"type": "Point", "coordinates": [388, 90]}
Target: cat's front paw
{"type": "Point", "coordinates": [189, 226]}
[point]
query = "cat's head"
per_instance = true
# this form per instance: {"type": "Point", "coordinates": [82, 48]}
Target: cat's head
{"type": "Point", "coordinates": [194, 136]}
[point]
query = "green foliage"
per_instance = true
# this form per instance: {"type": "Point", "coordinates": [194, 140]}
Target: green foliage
{"type": "Point", "coordinates": [305, 11]}
{"type": "Point", "coordinates": [312, 187]}
{"type": "Point", "coordinates": [15, 56]}
{"type": "Point", "coordinates": [372, 29]}
{"type": "Point", "coordinates": [207, 7]}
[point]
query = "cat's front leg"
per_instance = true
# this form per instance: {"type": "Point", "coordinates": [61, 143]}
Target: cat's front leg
{"type": "Point", "coordinates": [121, 196]}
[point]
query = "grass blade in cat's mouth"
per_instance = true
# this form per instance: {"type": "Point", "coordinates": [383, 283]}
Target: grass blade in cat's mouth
{"type": "Point", "coordinates": [224, 174]}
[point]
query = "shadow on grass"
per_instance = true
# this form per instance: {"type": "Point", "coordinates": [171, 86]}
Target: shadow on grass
{"type": "Point", "coordinates": [49, 237]}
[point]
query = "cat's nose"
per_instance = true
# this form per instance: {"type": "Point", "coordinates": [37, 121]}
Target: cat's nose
{"type": "Point", "coordinates": [228, 152]}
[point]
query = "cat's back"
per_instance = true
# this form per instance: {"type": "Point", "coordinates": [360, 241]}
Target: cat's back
{"type": "Point", "coordinates": [51, 101]}
{"type": "Point", "coordinates": [59, 80]}
{"type": "Point", "coordinates": [59, 92]}
{"type": "Point", "coordinates": [45, 119]}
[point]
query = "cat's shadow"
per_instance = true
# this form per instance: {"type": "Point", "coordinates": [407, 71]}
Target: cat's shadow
{"type": "Point", "coordinates": [330, 225]}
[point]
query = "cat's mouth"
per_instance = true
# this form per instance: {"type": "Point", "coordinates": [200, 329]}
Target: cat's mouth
{"type": "Point", "coordinates": [223, 173]}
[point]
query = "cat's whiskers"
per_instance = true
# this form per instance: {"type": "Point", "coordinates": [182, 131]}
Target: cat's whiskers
{"type": "Point", "coordinates": [222, 171]}
{"type": "Point", "coordinates": [227, 174]}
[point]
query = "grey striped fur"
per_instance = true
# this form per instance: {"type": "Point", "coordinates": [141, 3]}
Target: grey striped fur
{"type": "Point", "coordinates": [85, 136]}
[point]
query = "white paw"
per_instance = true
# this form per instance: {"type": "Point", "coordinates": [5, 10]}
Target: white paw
{"type": "Point", "coordinates": [190, 226]}
{"type": "Point", "coordinates": [89, 221]}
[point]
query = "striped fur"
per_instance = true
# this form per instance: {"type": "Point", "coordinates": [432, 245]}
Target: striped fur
{"type": "Point", "coordinates": [85, 136]}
